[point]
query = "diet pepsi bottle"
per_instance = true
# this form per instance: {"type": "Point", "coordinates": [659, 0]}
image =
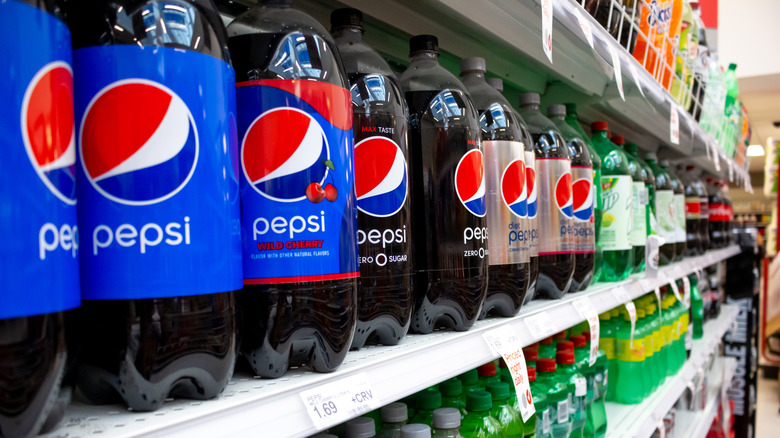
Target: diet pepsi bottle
{"type": "Point", "coordinates": [503, 138]}
{"type": "Point", "coordinates": [158, 200]}
{"type": "Point", "coordinates": [299, 218]}
{"type": "Point", "coordinates": [39, 269]}
{"type": "Point", "coordinates": [381, 129]}
{"type": "Point", "coordinates": [555, 204]}
{"type": "Point", "coordinates": [448, 194]}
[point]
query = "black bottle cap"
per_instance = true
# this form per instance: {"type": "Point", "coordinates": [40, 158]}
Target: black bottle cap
{"type": "Point", "coordinates": [421, 43]}
{"type": "Point", "coordinates": [346, 17]}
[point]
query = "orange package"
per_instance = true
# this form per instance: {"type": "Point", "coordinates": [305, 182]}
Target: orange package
{"type": "Point", "coordinates": [653, 24]}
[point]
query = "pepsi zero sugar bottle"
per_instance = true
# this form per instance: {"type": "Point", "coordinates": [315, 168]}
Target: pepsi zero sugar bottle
{"type": "Point", "coordinates": [448, 194]}
{"type": "Point", "coordinates": [503, 139]}
{"type": "Point", "coordinates": [299, 218]}
{"type": "Point", "coordinates": [39, 269]}
{"type": "Point", "coordinates": [555, 205]}
{"type": "Point", "coordinates": [158, 201]}
{"type": "Point", "coordinates": [381, 129]}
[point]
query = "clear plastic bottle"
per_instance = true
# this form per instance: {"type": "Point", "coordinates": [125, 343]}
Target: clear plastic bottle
{"type": "Point", "coordinates": [557, 394]}
{"type": "Point", "coordinates": [394, 417]}
{"type": "Point", "coordinates": [446, 423]}
{"type": "Point", "coordinates": [639, 204]}
{"type": "Point", "coordinates": [452, 395]}
{"type": "Point", "coordinates": [542, 416]}
{"type": "Point", "coordinates": [504, 411]}
{"type": "Point", "coordinates": [577, 385]}
{"type": "Point", "coordinates": [416, 430]}
{"type": "Point", "coordinates": [478, 423]}
{"type": "Point", "coordinates": [664, 210]}
{"type": "Point", "coordinates": [361, 427]}
{"type": "Point", "coordinates": [679, 211]}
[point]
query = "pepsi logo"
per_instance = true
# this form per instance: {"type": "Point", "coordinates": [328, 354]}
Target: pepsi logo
{"type": "Point", "coordinates": [281, 163]}
{"type": "Point", "coordinates": [48, 129]}
{"type": "Point", "coordinates": [563, 195]}
{"type": "Point", "coordinates": [582, 193]}
{"type": "Point", "coordinates": [513, 188]}
{"type": "Point", "coordinates": [470, 182]}
{"type": "Point", "coordinates": [530, 188]}
{"type": "Point", "coordinates": [139, 143]}
{"type": "Point", "coordinates": [380, 176]}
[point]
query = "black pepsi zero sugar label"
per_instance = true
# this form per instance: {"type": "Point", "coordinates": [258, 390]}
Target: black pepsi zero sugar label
{"type": "Point", "coordinates": [583, 196]}
{"type": "Point", "coordinates": [299, 218]}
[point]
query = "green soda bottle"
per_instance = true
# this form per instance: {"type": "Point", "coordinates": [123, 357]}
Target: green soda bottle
{"type": "Point", "coordinates": [427, 401]}
{"type": "Point", "coordinates": [655, 323]}
{"type": "Point", "coordinates": [697, 308]}
{"type": "Point", "coordinates": [595, 410]}
{"type": "Point", "coordinates": [666, 335]}
{"type": "Point", "coordinates": [582, 364]}
{"type": "Point", "coordinates": [664, 210]}
{"type": "Point", "coordinates": [629, 388]}
{"type": "Point", "coordinates": [470, 381]}
{"type": "Point", "coordinates": [452, 395]}
{"type": "Point", "coordinates": [546, 348]}
{"type": "Point", "coordinates": [488, 373]}
{"type": "Point", "coordinates": [652, 372]}
{"type": "Point", "coordinates": [446, 423]}
{"type": "Point", "coordinates": [672, 336]}
{"type": "Point", "coordinates": [607, 342]}
{"type": "Point", "coordinates": [639, 204]}
{"type": "Point", "coordinates": [504, 412]}
{"type": "Point", "coordinates": [682, 324]}
{"type": "Point", "coordinates": [557, 398]}
{"type": "Point", "coordinates": [578, 389]}
{"type": "Point", "coordinates": [679, 212]}
{"type": "Point", "coordinates": [649, 194]}
{"type": "Point", "coordinates": [617, 216]}
{"type": "Point", "coordinates": [394, 417]}
{"type": "Point", "coordinates": [542, 416]}
{"type": "Point", "coordinates": [531, 356]}
{"type": "Point", "coordinates": [478, 423]}
{"type": "Point", "coordinates": [596, 426]}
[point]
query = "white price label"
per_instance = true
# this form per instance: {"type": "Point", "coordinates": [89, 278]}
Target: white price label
{"type": "Point", "coordinates": [588, 312]}
{"type": "Point", "coordinates": [504, 342]}
{"type": "Point", "coordinates": [616, 65]}
{"type": "Point", "coordinates": [546, 421]}
{"type": "Point", "coordinates": [676, 290]}
{"type": "Point", "coordinates": [635, 75]}
{"type": "Point", "coordinates": [563, 412]}
{"type": "Point", "coordinates": [661, 428]}
{"type": "Point", "coordinates": [689, 338]}
{"type": "Point", "coordinates": [540, 325]}
{"type": "Point", "coordinates": [731, 171]}
{"type": "Point", "coordinates": [336, 402]}
{"type": "Point", "coordinates": [686, 292]}
{"type": "Point", "coordinates": [674, 125]}
{"type": "Point", "coordinates": [631, 308]}
{"type": "Point", "coordinates": [586, 30]}
{"type": "Point", "coordinates": [547, 24]}
{"type": "Point", "coordinates": [580, 387]}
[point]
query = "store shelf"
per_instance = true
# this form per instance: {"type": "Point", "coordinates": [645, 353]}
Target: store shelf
{"type": "Point", "coordinates": [252, 406]}
{"type": "Point", "coordinates": [640, 420]}
{"type": "Point", "coordinates": [696, 424]}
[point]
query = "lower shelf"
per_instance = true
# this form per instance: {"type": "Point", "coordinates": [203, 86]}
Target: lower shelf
{"type": "Point", "coordinates": [696, 424]}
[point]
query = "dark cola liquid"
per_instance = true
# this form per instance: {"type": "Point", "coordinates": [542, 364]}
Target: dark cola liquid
{"type": "Point", "coordinates": [450, 277]}
{"type": "Point", "coordinates": [385, 298]}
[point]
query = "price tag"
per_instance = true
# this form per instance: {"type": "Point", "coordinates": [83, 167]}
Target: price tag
{"type": "Point", "coordinates": [336, 402]}
{"type": "Point", "coordinates": [661, 428]}
{"type": "Point", "coordinates": [731, 171]}
{"type": "Point", "coordinates": [674, 125]}
{"type": "Point", "coordinates": [631, 308]}
{"type": "Point", "coordinates": [547, 24]}
{"type": "Point", "coordinates": [676, 290]}
{"type": "Point", "coordinates": [587, 311]}
{"type": "Point", "coordinates": [635, 75]}
{"type": "Point", "coordinates": [708, 147]}
{"type": "Point", "coordinates": [616, 65]}
{"type": "Point", "coordinates": [654, 242]}
{"type": "Point", "coordinates": [539, 325]}
{"type": "Point", "coordinates": [716, 162]}
{"type": "Point", "coordinates": [586, 30]}
{"type": "Point", "coordinates": [504, 342]}
{"type": "Point", "coordinates": [686, 292]}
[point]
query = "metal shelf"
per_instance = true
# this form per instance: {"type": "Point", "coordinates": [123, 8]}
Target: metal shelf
{"type": "Point", "coordinates": [252, 406]}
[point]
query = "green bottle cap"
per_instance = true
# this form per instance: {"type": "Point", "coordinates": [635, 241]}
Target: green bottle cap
{"type": "Point", "coordinates": [498, 390]}
{"type": "Point", "coordinates": [451, 387]}
{"type": "Point", "coordinates": [470, 377]}
{"type": "Point", "coordinates": [429, 400]}
{"type": "Point", "coordinates": [479, 401]}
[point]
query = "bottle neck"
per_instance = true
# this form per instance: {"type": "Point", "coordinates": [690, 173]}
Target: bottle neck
{"type": "Point", "coordinates": [475, 74]}
{"type": "Point", "coordinates": [600, 134]}
{"type": "Point", "coordinates": [557, 117]}
{"type": "Point", "coordinates": [348, 34]}
{"type": "Point", "coordinates": [535, 107]}
{"type": "Point", "coordinates": [425, 55]}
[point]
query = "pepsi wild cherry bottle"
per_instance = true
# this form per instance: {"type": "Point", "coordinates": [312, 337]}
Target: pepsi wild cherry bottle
{"type": "Point", "coordinates": [503, 138]}
{"type": "Point", "coordinates": [299, 218]}
{"type": "Point", "coordinates": [158, 201]}
{"type": "Point", "coordinates": [448, 194]}
{"type": "Point", "coordinates": [39, 273]}
{"type": "Point", "coordinates": [381, 129]}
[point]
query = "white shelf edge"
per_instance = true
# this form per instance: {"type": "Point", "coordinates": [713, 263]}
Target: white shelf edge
{"type": "Point", "coordinates": [696, 424]}
{"type": "Point", "coordinates": [274, 406]}
{"type": "Point", "coordinates": [640, 420]}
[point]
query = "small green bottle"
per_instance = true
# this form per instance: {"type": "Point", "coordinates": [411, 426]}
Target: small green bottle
{"type": "Point", "coordinates": [488, 373]}
{"type": "Point", "coordinates": [607, 342]}
{"type": "Point", "coordinates": [557, 394]}
{"type": "Point", "coordinates": [427, 401]}
{"type": "Point", "coordinates": [470, 381]}
{"type": "Point", "coordinates": [542, 416]}
{"type": "Point", "coordinates": [478, 423]}
{"type": "Point", "coordinates": [631, 377]}
{"type": "Point", "coordinates": [697, 308]}
{"type": "Point", "coordinates": [504, 412]}
{"type": "Point", "coordinates": [452, 395]}
{"type": "Point", "coordinates": [546, 348]}
{"type": "Point", "coordinates": [578, 389]}
{"type": "Point", "coordinates": [649, 193]}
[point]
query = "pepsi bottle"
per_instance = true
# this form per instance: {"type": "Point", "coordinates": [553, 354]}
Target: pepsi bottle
{"type": "Point", "coordinates": [39, 272]}
{"type": "Point", "coordinates": [381, 129]}
{"type": "Point", "coordinates": [158, 201]}
{"type": "Point", "coordinates": [503, 138]}
{"type": "Point", "coordinates": [448, 194]}
{"type": "Point", "coordinates": [299, 219]}
{"type": "Point", "coordinates": [552, 193]}
{"type": "Point", "coordinates": [583, 196]}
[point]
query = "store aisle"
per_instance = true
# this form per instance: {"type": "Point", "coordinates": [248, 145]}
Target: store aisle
{"type": "Point", "coordinates": [767, 405]}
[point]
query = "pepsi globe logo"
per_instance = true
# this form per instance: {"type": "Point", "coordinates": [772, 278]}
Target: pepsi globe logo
{"type": "Point", "coordinates": [470, 182]}
{"type": "Point", "coordinates": [139, 142]}
{"type": "Point", "coordinates": [380, 177]}
{"type": "Point", "coordinates": [530, 183]}
{"type": "Point", "coordinates": [513, 188]}
{"type": "Point", "coordinates": [287, 164]}
{"type": "Point", "coordinates": [563, 195]}
{"type": "Point", "coordinates": [582, 192]}
{"type": "Point", "coordinates": [48, 129]}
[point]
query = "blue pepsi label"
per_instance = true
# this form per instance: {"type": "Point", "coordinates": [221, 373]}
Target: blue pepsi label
{"type": "Point", "coordinates": [299, 215]}
{"type": "Point", "coordinates": [157, 173]}
{"type": "Point", "coordinates": [39, 269]}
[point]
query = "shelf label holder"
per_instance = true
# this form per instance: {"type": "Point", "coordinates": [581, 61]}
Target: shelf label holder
{"type": "Point", "coordinates": [502, 341]}
{"type": "Point", "coordinates": [338, 401]}
{"type": "Point", "coordinates": [586, 310]}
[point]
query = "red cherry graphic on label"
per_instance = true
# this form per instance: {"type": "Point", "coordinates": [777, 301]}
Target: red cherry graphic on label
{"type": "Point", "coordinates": [314, 193]}
{"type": "Point", "coordinates": [331, 192]}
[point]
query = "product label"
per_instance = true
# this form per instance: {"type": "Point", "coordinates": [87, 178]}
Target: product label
{"type": "Point", "coordinates": [679, 217]}
{"type": "Point", "coordinates": [664, 210]}
{"type": "Point", "coordinates": [705, 208]}
{"type": "Point", "coordinates": [40, 271]}
{"type": "Point", "coordinates": [639, 226]}
{"type": "Point", "coordinates": [583, 195]}
{"type": "Point", "coordinates": [581, 387]}
{"type": "Point", "coordinates": [618, 216]}
{"type": "Point", "coordinates": [506, 198]}
{"type": "Point", "coordinates": [297, 188]}
{"type": "Point", "coordinates": [157, 173]}
{"type": "Point", "coordinates": [692, 207]}
{"type": "Point", "coordinates": [545, 423]}
{"type": "Point", "coordinates": [718, 212]}
{"type": "Point", "coordinates": [562, 415]}
{"type": "Point", "coordinates": [608, 345]}
{"type": "Point", "coordinates": [555, 203]}
{"type": "Point", "coordinates": [532, 190]}
{"type": "Point", "coordinates": [627, 353]}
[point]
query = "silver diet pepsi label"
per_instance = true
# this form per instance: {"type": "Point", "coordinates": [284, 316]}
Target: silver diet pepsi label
{"type": "Point", "coordinates": [505, 176]}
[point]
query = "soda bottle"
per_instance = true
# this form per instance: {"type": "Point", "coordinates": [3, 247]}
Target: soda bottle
{"type": "Point", "coordinates": [451, 256]}
{"type": "Point", "coordinates": [553, 191]}
{"type": "Point", "coordinates": [361, 427]}
{"type": "Point", "coordinates": [531, 356]}
{"type": "Point", "coordinates": [557, 395]}
{"type": "Point", "coordinates": [542, 417]}
{"type": "Point", "coordinates": [478, 423]}
{"type": "Point", "coordinates": [394, 417]}
{"type": "Point", "coordinates": [664, 210]}
{"type": "Point", "coordinates": [697, 309]}
{"type": "Point", "coordinates": [416, 431]}
{"type": "Point", "coordinates": [40, 269]}
{"type": "Point", "coordinates": [299, 217]}
{"type": "Point", "coordinates": [583, 194]}
{"type": "Point", "coordinates": [685, 57]}
{"type": "Point", "coordinates": [546, 348]}
{"type": "Point", "coordinates": [659, 27]}
{"type": "Point", "coordinates": [157, 180]}
{"type": "Point", "coordinates": [652, 347]}
{"type": "Point", "coordinates": [427, 402]}
{"type": "Point", "coordinates": [639, 203]}
{"type": "Point", "coordinates": [595, 411]}
{"type": "Point", "coordinates": [529, 426]}
{"type": "Point", "coordinates": [488, 373]}
{"type": "Point", "coordinates": [649, 193]}
{"type": "Point", "coordinates": [696, 213]}
{"type": "Point", "coordinates": [381, 128]}
{"type": "Point", "coordinates": [607, 342]}
{"type": "Point", "coordinates": [446, 423]}
{"type": "Point", "coordinates": [503, 411]}
{"type": "Point", "coordinates": [617, 220]}
{"type": "Point", "coordinates": [679, 211]}
{"type": "Point", "coordinates": [452, 395]}
{"type": "Point", "coordinates": [503, 141]}
{"type": "Point", "coordinates": [577, 386]}
{"type": "Point", "coordinates": [470, 381]}
{"type": "Point", "coordinates": [631, 380]}
{"type": "Point", "coordinates": [728, 230]}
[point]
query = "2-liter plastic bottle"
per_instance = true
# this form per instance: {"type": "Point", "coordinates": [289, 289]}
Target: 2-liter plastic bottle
{"type": "Point", "coordinates": [631, 378]}
{"type": "Point", "coordinates": [664, 210]}
{"type": "Point", "coordinates": [504, 411]}
{"type": "Point", "coordinates": [557, 394]}
{"type": "Point", "coordinates": [679, 211]}
{"type": "Point", "coordinates": [446, 423]}
{"type": "Point", "coordinates": [542, 416]}
{"type": "Point", "coordinates": [577, 385]}
{"type": "Point", "coordinates": [478, 423]}
{"type": "Point", "coordinates": [452, 395]}
{"type": "Point", "coordinates": [639, 205]}
{"type": "Point", "coordinates": [394, 417]}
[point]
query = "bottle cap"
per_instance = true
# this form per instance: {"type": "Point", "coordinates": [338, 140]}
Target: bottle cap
{"type": "Point", "coordinates": [416, 431]}
{"type": "Point", "coordinates": [346, 17]}
{"type": "Point", "coordinates": [531, 374]}
{"type": "Point", "coordinates": [470, 377]}
{"type": "Point", "coordinates": [498, 390]}
{"type": "Point", "coordinates": [564, 345]}
{"type": "Point", "coordinates": [446, 418]}
{"type": "Point", "coordinates": [547, 341]}
{"type": "Point", "coordinates": [599, 126]}
{"type": "Point", "coordinates": [451, 388]}
{"type": "Point", "coordinates": [545, 365]}
{"type": "Point", "coordinates": [732, 66]}
{"type": "Point", "coordinates": [502, 363]}
{"type": "Point", "coordinates": [487, 370]}
{"type": "Point", "coordinates": [586, 333]}
{"type": "Point", "coordinates": [530, 99]}
{"type": "Point", "coordinates": [496, 83]}
{"type": "Point", "coordinates": [651, 156]}
{"type": "Point", "coordinates": [429, 400]}
{"type": "Point", "coordinates": [560, 335]}
{"type": "Point", "coordinates": [478, 401]}
{"type": "Point", "coordinates": [395, 412]}
{"type": "Point", "coordinates": [618, 139]}
{"type": "Point", "coordinates": [531, 355]}
{"type": "Point", "coordinates": [579, 341]}
{"type": "Point", "coordinates": [361, 427]}
{"type": "Point", "coordinates": [422, 43]}
{"type": "Point", "coordinates": [556, 110]}
{"type": "Point", "coordinates": [564, 357]}
{"type": "Point", "coordinates": [571, 108]}
{"type": "Point", "coordinates": [664, 163]}
{"type": "Point", "coordinates": [473, 63]}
